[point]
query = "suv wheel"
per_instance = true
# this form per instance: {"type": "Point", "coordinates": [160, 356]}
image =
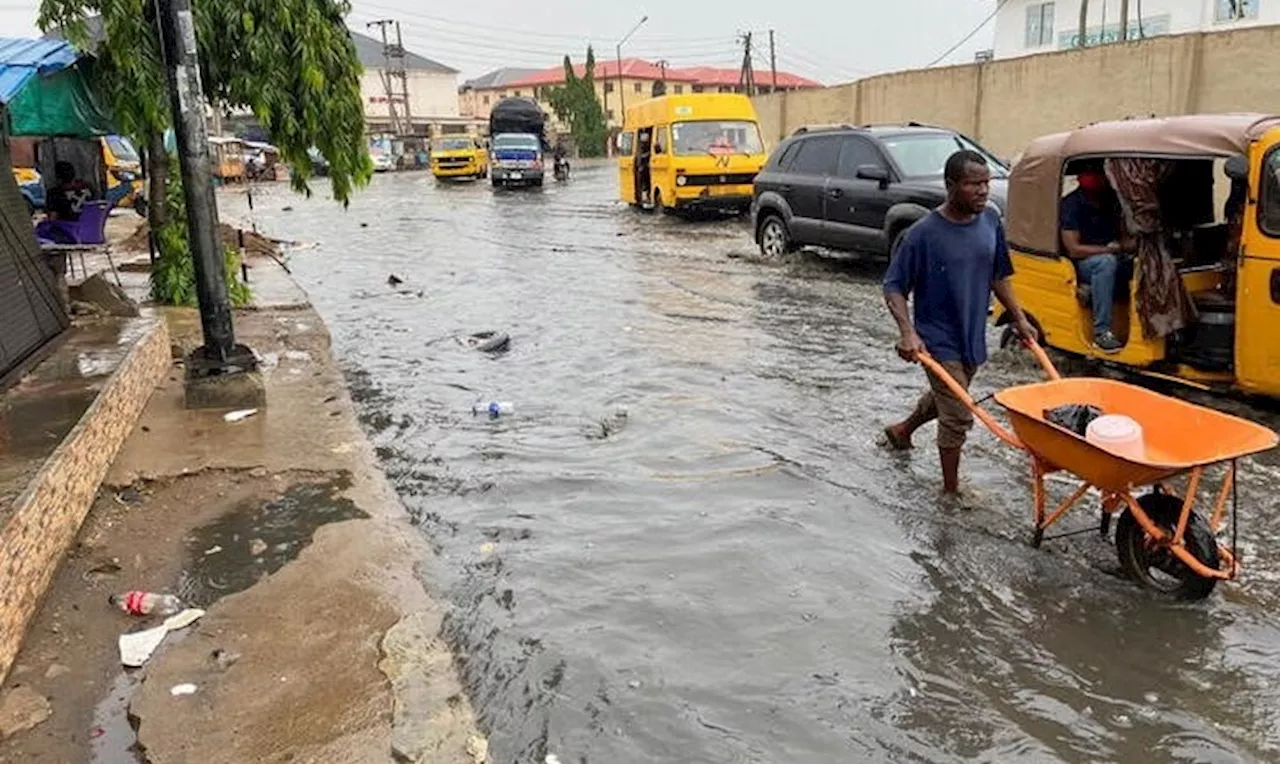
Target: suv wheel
{"type": "Point", "coordinates": [775, 239]}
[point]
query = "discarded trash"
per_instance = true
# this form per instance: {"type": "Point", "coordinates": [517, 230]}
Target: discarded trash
{"type": "Point", "coordinates": [551, 757]}
{"type": "Point", "coordinates": [494, 409]}
{"type": "Point", "coordinates": [212, 550]}
{"type": "Point", "coordinates": [96, 732]}
{"type": "Point", "coordinates": [102, 569]}
{"type": "Point", "coordinates": [224, 659]}
{"type": "Point", "coordinates": [146, 603]}
{"type": "Point", "coordinates": [183, 689]}
{"type": "Point", "coordinates": [394, 280]}
{"type": "Point", "coordinates": [257, 547]}
{"type": "Point", "coordinates": [298, 355]}
{"type": "Point", "coordinates": [137, 647]}
{"type": "Point", "coordinates": [489, 342]}
{"type": "Point", "coordinates": [239, 416]}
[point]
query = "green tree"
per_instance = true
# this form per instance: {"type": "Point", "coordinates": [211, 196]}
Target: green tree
{"type": "Point", "coordinates": [575, 104]}
{"type": "Point", "coordinates": [291, 62]}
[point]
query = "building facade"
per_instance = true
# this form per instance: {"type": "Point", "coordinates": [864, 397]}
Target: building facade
{"type": "Point", "coordinates": [432, 106]}
{"type": "Point", "coordinates": [1025, 27]}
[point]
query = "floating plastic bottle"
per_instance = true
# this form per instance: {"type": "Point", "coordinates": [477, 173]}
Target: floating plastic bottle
{"type": "Point", "coordinates": [494, 409]}
{"type": "Point", "coordinates": [147, 603]}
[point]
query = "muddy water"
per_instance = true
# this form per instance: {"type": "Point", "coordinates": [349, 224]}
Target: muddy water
{"type": "Point", "coordinates": [733, 571]}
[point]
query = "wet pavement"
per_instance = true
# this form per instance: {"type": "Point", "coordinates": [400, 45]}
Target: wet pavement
{"type": "Point", "coordinates": [685, 544]}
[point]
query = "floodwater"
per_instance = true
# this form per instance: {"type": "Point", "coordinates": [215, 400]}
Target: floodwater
{"type": "Point", "coordinates": [685, 544]}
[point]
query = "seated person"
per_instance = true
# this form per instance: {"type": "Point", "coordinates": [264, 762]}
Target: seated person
{"type": "Point", "coordinates": [1091, 234]}
{"type": "Point", "coordinates": [68, 195]}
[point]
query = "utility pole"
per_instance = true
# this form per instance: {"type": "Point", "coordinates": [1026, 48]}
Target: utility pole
{"type": "Point", "coordinates": [747, 78]}
{"type": "Point", "coordinates": [622, 98]}
{"type": "Point", "coordinates": [1124, 20]}
{"type": "Point", "coordinates": [1081, 40]}
{"type": "Point", "coordinates": [773, 61]}
{"type": "Point", "coordinates": [211, 368]}
{"type": "Point", "coordinates": [392, 72]}
{"type": "Point", "coordinates": [403, 73]}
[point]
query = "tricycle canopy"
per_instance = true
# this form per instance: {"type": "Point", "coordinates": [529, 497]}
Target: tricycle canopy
{"type": "Point", "coordinates": [1035, 185]}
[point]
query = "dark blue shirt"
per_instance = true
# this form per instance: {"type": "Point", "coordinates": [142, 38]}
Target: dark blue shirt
{"type": "Point", "coordinates": [1097, 224]}
{"type": "Point", "coordinates": [948, 269]}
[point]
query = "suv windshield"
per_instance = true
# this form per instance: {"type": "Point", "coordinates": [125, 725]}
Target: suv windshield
{"type": "Point", "coordinates": [453, 144]}
{"type": "Point", "coordinates": [516, 141]}
{"type": "Point", "coordinates": [925, 155]}
{"type": "Point", "coordinates": [716, 138]}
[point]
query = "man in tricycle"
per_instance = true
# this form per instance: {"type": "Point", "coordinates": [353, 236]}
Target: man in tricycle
{"type": "Point", "coordinates": [949, 265]}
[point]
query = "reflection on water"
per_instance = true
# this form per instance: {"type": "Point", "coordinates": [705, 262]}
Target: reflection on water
{"type": "Point", "coordinates": [736, 572]}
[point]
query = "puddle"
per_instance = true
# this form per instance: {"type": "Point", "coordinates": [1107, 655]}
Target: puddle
{"type": "Point", "coordinates": [238, 550]}
{"type": "Point", "coordinates": [226, 556]}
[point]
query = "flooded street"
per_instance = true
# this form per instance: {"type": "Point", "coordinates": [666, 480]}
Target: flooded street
{"type": "Point", "coordinates": [685, 545]}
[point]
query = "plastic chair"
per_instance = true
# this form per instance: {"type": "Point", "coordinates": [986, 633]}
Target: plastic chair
{"type": "Point", "coordinates": [88, 232]}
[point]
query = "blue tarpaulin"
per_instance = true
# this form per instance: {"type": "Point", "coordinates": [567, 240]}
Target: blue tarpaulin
{"type": "Point", "coordinates": [21, 60]}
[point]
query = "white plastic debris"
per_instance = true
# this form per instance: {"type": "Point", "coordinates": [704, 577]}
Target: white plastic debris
{"type": "Point", "coordinates": [239, 416]}
{"type": "Point", "coordinates": [182, 689]}
{"type": "Point", "coordinates": [137, 647]}
{"type": "Point", "coordinates": [552, 759]}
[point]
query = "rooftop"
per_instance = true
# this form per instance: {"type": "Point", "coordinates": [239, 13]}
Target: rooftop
{"type": "Point", "coordinates": [370, 53]}
{"type": "Point", "coordinates": [710, 75]}
{"type": "Point", "coordinates": [498, 78]}
{"type": "Point", "coordinates": [640, 69]}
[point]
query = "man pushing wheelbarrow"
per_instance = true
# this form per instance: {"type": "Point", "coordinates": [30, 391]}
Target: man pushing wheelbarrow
{"type": "Point", "coordinates": [950, 263]}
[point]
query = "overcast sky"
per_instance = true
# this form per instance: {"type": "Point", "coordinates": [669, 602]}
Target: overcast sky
{"type": "Point", "coordinates": [832, 42]}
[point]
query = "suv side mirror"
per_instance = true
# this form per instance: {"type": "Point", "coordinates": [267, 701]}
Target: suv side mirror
{"type": "Point", "coordinates": [1237, 168]}
{"type": "Point", "coordinates": [873, 172]}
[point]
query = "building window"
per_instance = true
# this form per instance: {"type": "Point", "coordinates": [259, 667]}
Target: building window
{"type": "Point", "coordinates": [608, 87]}
{"type": "Point", "coordinates": [1040, 25]}
{"type": "Point", "coordinates": [679, 89]}
{"type": "Point", "coordinates": [698, 88]}
{"type": "Point", "coordinates": [639, 87]}
{"type": "Point", "coordinates": [1235, 10]}
{"type": "Point", "coordinates": [517, 94]}
{"type": "Point", "coordinates": [609, 115]}
{"type": "Point", "coordinates": [485, 100]}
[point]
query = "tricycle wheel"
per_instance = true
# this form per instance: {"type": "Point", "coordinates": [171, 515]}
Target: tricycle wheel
{"type": "Point", "coordinates": [1157, 568]}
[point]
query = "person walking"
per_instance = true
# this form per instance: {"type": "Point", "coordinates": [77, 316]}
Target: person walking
{"type": "Point", "coordinates": [949, 265]}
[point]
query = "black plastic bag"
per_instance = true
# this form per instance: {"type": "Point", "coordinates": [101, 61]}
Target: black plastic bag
{"type": "Point", "coordinates": [1073, 416]}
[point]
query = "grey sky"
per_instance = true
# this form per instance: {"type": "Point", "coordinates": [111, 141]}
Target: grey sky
{"type": "Point", "coordinates": [832, 42]}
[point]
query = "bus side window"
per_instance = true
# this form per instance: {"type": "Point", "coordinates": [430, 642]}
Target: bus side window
{"type": "Point", "coordinates": [660, 140]}
{"type": "Point", "coordinates": [626, 144]}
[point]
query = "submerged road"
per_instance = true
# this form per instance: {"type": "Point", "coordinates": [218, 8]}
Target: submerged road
{"type": "Point", "coordinates": [685, 544]}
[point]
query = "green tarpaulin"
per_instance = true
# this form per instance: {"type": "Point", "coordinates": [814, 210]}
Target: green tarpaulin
{"type": "Point", "coordinates": [57, 104]}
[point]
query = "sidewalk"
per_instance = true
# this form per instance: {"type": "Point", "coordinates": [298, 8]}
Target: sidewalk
{"type": "Point", "coordinates": [320, 644]}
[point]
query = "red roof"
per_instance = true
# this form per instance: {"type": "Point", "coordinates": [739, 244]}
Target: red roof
{"type": "Point", "coordinates": [632, 68]}
{"type": "Point", "coordinates": [710, 75]}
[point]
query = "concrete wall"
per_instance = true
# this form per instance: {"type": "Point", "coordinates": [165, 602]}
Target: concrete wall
{"type": "Point", "coordinates": [45, 518]}
{"type": "Point", "coordinates": [1004, 104]}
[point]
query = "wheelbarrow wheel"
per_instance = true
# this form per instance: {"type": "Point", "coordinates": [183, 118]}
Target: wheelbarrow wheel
{"type": "Point", "coordinates": [1157, 568]}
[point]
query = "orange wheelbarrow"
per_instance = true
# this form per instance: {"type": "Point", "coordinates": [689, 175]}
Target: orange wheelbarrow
{"type": "Point", "coordinates": [1162, 542]}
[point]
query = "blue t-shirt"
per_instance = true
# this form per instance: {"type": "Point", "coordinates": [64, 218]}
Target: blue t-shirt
{"type": "Point", "coordinates": [1098, 225]}
{"type": "Point", "coordinates": [948, 269]}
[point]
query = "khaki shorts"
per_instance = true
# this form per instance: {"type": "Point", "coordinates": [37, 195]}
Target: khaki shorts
{"type": "Point", "coordinates": [954, 417]}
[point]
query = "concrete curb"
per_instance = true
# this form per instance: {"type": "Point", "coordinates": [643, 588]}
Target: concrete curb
{"type": "Point", "coordinates": [46, 517]}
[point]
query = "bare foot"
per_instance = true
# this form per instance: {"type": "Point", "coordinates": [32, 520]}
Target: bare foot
{"type": "Point", "coordinates": [896, 438]}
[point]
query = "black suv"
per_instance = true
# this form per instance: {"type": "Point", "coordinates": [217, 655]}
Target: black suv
{"type": "Point", "coordinates": [857, 188]}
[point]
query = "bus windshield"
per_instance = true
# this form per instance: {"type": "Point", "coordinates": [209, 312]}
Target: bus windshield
{"type": "Point", "coordinates": [516, 141]}
{"type": "Point", "coordinates": [122, 147]}
{"type": "Point", "coordinates": [453, 144]}
{"type": "Point", "coordinates": [716, 137]}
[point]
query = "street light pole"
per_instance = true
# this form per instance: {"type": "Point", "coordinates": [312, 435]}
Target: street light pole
{"type": "Point", "coordinates": [220, 357]}
{"type": "Point", "coordinates": [622, 98]}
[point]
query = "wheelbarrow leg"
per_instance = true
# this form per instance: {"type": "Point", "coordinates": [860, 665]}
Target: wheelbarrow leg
{"type": "Point", "coordinates": [1037, 490]}
{"type": "Point", "coordinates": [1104, 526]}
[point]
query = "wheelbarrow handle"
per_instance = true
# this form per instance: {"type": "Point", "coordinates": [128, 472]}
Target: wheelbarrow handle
{"type": "Point", "coordinates": [996, 428]}
{"type": "Point", "coordinates": [1042, 357]}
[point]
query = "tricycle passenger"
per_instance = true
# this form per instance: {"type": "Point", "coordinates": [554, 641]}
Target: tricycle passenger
{"type": "Point", "coordinates": [1092, 234]}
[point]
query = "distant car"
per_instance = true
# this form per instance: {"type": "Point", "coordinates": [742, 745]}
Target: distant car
{"type": "Point", "coordinates": [382, 162]}
{"type": "Point", "coordinates": [319, 165]}
{"type": "Point", "coordinates": [857, 189]}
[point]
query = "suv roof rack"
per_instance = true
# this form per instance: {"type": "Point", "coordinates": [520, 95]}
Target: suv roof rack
{"type": "Point", "coordinates": [912, 123]}
{"type": "Point", "coordinates": [824, 128]}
